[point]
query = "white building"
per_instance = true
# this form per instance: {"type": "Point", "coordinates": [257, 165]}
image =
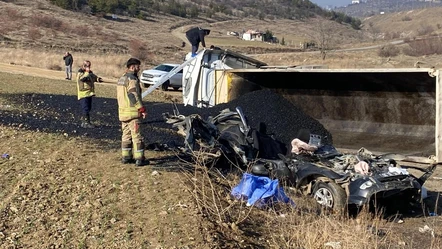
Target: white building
{"type": "Point", "coordinates": [355, 1]}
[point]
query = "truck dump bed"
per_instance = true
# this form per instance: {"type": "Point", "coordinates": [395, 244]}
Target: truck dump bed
{"type": "Point", "coordinates": [389, 110]}
{"type": "Point", "coordinates": [384, 110]}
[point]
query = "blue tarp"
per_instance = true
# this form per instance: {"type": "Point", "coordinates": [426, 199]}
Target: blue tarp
{"type": "Point", "coordinates": [259, 191]}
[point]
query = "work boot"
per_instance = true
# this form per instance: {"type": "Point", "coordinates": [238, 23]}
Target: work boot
{"type": "Point", "coordinates": [127, 160]}
{"type": "Point", "coordinates": [141, 162]}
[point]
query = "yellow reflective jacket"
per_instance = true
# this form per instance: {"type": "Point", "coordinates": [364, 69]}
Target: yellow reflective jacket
{"type": "Point", "coordinates": [129, 97]}
{"type": "Point", "coordinates": [85, 84]}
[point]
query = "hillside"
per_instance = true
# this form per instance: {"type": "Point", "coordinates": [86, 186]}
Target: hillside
{"type": "Point", "coordinates": [406, 24]}
{"type": "Point", "coordinates": [290, 9]}
{"type": "Point", "coordinates": [41, 26]}
{"type": "Point", "coordinates": [35, 33]}
{"type": "Point", "coordinates": [375, 7]}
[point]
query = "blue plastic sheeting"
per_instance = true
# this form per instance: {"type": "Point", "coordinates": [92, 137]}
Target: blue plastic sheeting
{"type": "Point", "coordinates": [260, 191]}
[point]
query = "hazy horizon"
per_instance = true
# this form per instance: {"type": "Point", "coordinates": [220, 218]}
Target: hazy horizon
{"type": "Point", "coordinates": [337, 3]}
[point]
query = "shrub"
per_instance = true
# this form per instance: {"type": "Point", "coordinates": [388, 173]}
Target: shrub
{"type": "Point", "coordinates": [34, 34]}
{"type": "Point", "coordinates": [47, 22]}
{"type": "Point", "coordinates": [54, 67]}
{"type": "Point", "coordinates": [13, 14]}
{"type": "Point", "coordinates": [392, 35]}
{"type": "Point", "coordinates": [425, 30]}
{"type": "Point", "coordinates": [406, 19]}
{"type": "Point", "coordinates": [138, 49]}
{"type": "Point", "coordinates": [388, 51]}
{"type": "Point", "coordinates": [423, 47]}
{"type": "Point", "coordinates": [82, 31]}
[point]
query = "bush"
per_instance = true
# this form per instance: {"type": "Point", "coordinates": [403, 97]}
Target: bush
{"type": "Point", "coordinates": [138, 49]}
{"type": "Point", "coordinates": [425, 30]}
{"type": "Point", "coordinates": [83, 31]}
{"type": "Point", "coordinates": [388, 51]}
{"type": "Point", "coordinates": [47, 22]}
{"type": "Point", "coordinates": [13, 14]}
{"type": "Point", "coordinates": [34, 34]}
{"type": "Point", "coordinates": [406, 19]}
{"type": "Point", "coordinates": [54, 67]}
{"type": "Point", "coordinates": [392, 35]}
{"type": "Point", "coordinates": [423, 47]}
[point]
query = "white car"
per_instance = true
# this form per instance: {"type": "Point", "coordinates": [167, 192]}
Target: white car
{"type": "Point", "coordinates": [151, 76]}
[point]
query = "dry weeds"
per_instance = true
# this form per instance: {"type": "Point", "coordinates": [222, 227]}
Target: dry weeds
{"type": "Point", "coordinates": [284, 226]}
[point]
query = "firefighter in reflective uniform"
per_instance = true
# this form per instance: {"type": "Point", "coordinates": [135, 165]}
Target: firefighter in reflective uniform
{"type": "Point", "coordinates": [131, 111]}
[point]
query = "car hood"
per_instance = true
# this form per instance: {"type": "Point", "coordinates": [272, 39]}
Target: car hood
{"type": "Point", "coordinates": [153, 71]}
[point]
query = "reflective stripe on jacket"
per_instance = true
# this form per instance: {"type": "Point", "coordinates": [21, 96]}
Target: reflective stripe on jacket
{"type": "Point", "coordinates": [129, 97]}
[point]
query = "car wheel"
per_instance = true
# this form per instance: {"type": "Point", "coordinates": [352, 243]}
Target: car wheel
{"type": "Point", "coordinates": [330, 195]}
{"type": "Point", "coordinates": [165, 86]}
{"type": "Point", "coordinates": [176, 88]}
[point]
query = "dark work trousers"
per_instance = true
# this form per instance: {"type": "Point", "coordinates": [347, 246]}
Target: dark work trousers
{"type": "Point", "coordinates": [194, 49]}
{"type": "Point", "coordinates": [86, 106]}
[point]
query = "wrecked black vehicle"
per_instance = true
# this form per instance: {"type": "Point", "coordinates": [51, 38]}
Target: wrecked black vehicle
{"type": "Point", "coordinates": [333, 179]}
{"type": "Point", "coordinates": [337, 180]}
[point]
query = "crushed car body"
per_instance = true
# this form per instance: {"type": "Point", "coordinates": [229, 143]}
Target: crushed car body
{"type": "Point", "coordinates": [335, 180]}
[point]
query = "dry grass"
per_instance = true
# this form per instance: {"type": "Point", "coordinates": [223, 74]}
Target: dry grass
{"type": "Point", "coordinates": [407, 23]}
{"type": "Point", "coordinates": [110, 65]}
{"type": "Point", "coordinates": [284, 226]}
{"type": "Point", "coordinates": [424, 47]}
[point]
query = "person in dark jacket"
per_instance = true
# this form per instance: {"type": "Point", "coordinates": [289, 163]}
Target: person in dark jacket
{"type": "Point", "coordinates": [195, 36]}
{"type": "Point", "coordinates": [68, 61]}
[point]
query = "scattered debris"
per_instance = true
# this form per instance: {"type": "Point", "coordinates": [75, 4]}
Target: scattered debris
{"type": "Point", "coordinates": [427, 229]}
{"type": "Point", "coordinates": [402, 243]}
{"type": "Point", "coordinates": [333, 245]}
{"type": "Point", "coordinates": [376, 231]}
{"type": "Point", "coordinates": [163, 213]}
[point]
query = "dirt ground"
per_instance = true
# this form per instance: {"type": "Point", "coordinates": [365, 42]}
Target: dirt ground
{"type": "Point", "coordinates": [64, 186]}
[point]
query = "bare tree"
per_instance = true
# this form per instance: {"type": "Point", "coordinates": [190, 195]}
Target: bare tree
{"type": "Point", "coordinates": [324, 35]}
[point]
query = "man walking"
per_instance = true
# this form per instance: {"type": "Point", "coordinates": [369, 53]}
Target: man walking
{"type": "Point", "coordinates": [195, 36]}
{"type": "Point", "coordinates": [131, 111]}
{"type": "Point", "coordinates": [68, 61]}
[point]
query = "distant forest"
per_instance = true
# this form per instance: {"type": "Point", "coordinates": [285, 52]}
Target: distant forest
{"type": "Point", "coordinates": [262, 9]}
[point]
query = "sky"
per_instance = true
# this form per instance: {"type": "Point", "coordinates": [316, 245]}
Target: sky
{"type": "Point", "coordinates": [338, 3]}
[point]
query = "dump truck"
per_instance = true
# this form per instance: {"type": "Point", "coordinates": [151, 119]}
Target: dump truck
{"type": "Point", "coordinates": [394, 110]}
{"type": "Point", "coordinates": [387, 110]}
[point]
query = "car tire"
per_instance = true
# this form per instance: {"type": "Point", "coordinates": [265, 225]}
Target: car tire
{"type": "Point", "coordinates": [330, 195]}
{"type": "Point", "coordinates": [176, 88]}
{"type": "Point", "coordinates": [165, 86]}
